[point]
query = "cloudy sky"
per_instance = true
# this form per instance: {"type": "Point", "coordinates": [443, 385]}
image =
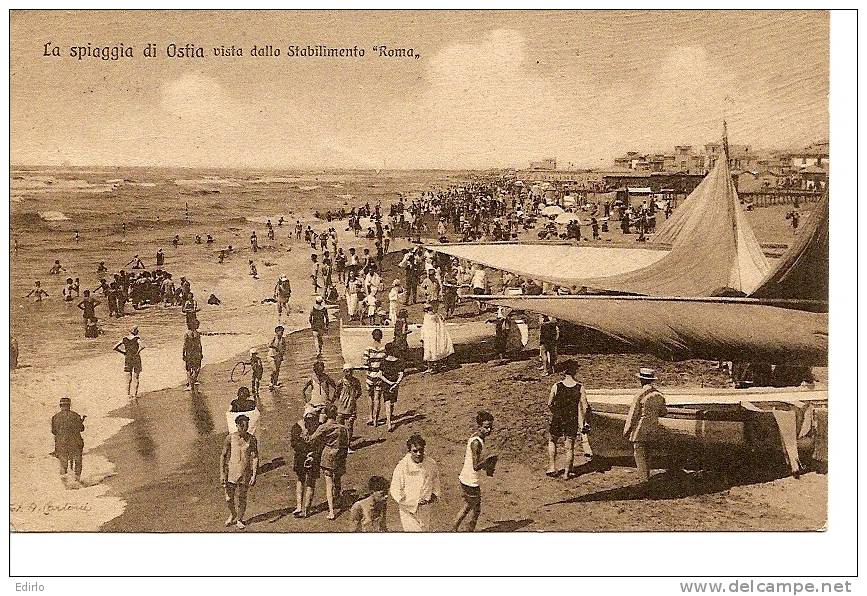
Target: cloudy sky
{"type": "Point", "coordinates": [490, 89]}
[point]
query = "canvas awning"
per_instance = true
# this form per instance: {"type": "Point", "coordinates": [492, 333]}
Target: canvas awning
{"type": "Point", "coordinates": [680, 328]}
{"type": "Point", "coordinates": [558, 263]}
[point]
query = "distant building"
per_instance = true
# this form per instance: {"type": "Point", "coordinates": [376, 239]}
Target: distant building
{"type": "Point", "coordinates": [658, 182]}
{"type": "Point", "coordinates": [741, 157]}
{"type": "Point", "coordinates": [811, 155]}
{"type": "Point", "coordinates": [545, 164]}
{"type": "Point", "coordinates": [758, 181]}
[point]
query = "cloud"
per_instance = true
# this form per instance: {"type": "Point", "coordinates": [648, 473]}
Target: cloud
{"type": "Point", "coordinates": [483, 103]}
{"type": "Point", "coordinates": [197, 98]}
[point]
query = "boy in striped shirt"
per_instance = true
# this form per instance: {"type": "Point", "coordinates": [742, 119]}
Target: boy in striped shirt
{"type": "Point", "coordinates": [372, 360]}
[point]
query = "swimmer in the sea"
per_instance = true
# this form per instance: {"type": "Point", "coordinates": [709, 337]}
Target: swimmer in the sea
{"type": "Point", "coordinates": [102, 268]}
{"type": "Point", "coordinates": [136, 263]}
{"type": "Point", "coordinates": [209, 239]}
{"type": "Point", "coordinates": [37, 292]}
{"type": "Point", "coordinates": [68, 291]}
{"type": "Point", "coordinates": [253, 270]}
{"type": "Point", "coordinates": [56, 268]}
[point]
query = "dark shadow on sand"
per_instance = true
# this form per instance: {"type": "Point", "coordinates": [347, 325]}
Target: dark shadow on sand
{"type": "Point", "coordinates": [277, 462]}
{"type": "Point", "coordinates": [407, 417]}
{"type": "Point", "coordinates": [679, 484]}
{"type": "Point", "coordinates": [201, 414]}
{"type": "Point", "coordinates": [510, 525]}
{"type": "Point", "coordinates": [367, 443]}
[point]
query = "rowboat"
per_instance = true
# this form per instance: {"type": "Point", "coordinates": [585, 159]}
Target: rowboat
{"type": "Point", "coordinates": [700, 423]}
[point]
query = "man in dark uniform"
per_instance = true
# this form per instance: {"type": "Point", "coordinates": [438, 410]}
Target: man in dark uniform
{"type": "Point", "coordinates": [67, 426]}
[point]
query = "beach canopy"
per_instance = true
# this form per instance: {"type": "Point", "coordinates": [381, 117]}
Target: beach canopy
{"type": "Point", "coordinates": [565, 218]}
{"type": "Point", "coordinates": [553, 211]}
{"type": "Point", "coordinates": [802, 272]}
{"type": "Point", "coordinates": [738, 329]}
{"type": "Point", "coordinates": [559, 263]}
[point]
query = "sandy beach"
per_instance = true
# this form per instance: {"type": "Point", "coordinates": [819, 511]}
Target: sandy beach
{"type": "Point", "coordinates": [441, 408]}
{"type": "Point", "coordinates": [143, 458]}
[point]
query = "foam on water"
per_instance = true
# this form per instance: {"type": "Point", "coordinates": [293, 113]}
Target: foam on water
{"type": "Point", "coordinates": [53, 216]}
{"type": "Point", "coordinates": [208, 181]}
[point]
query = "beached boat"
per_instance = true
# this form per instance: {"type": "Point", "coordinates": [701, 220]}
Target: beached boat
{"type": "Point", "coordinates": [700, 423]}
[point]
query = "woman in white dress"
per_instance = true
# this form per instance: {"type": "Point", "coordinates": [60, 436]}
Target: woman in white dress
{"type": "Point", "coordinates": [437, 341]}
{"type": "Point", "coordinates": [352, 286]}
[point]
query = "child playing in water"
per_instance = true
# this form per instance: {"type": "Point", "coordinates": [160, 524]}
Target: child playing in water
{"type": "Point", "coordinates": [37, 292]}
{"type": "Point", "coordinates": [253, 272]}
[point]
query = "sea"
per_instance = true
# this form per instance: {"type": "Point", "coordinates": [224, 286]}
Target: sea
{"type": "Point", "coordinates": [81, 216]}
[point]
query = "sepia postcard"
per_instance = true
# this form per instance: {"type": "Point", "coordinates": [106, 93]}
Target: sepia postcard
{"type": "Point", "coordinates": [419, 271]}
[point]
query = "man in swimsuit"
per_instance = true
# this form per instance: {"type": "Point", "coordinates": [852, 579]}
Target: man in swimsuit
{"type": "Point", "coordinates": [88, 306]}
{"type": "Point", "coordinates": [37, 292]}
{"type": "Point", "coordinates": [192, 354]}
{"type": "Point", "coordinates": [239, 462]}
{"type": "Point", "coordinates": [131, 349]}
{"type": "Point", "coordinates": [569, 408]}
{"type": "Point", "coordinates": [320, 389]}
{"type": "Point", "coordinates": [282, 293]}
{"type": "Point", "coordinates": [318, 320]}
{"type": "Point", "coordinates": [469, 478]}
{"type": "Point", "coordinates": [276, 351]}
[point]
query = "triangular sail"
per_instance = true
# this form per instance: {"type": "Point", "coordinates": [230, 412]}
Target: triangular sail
{"type": "Point", "coordinates": [713, 248]}
{"type": "Point", "coordinates": [802, 273]}
{"type": "Point", "coordinates": [713, 251]}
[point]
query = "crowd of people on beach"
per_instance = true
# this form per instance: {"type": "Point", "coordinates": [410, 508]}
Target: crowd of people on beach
{"type": "Point", "coordinates": [323, 437]}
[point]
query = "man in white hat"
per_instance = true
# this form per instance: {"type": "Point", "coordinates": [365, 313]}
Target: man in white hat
{"type": "Point", "coordinates": [642, 422]}
{"type": "Point", "coordinates": [282, 293]}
